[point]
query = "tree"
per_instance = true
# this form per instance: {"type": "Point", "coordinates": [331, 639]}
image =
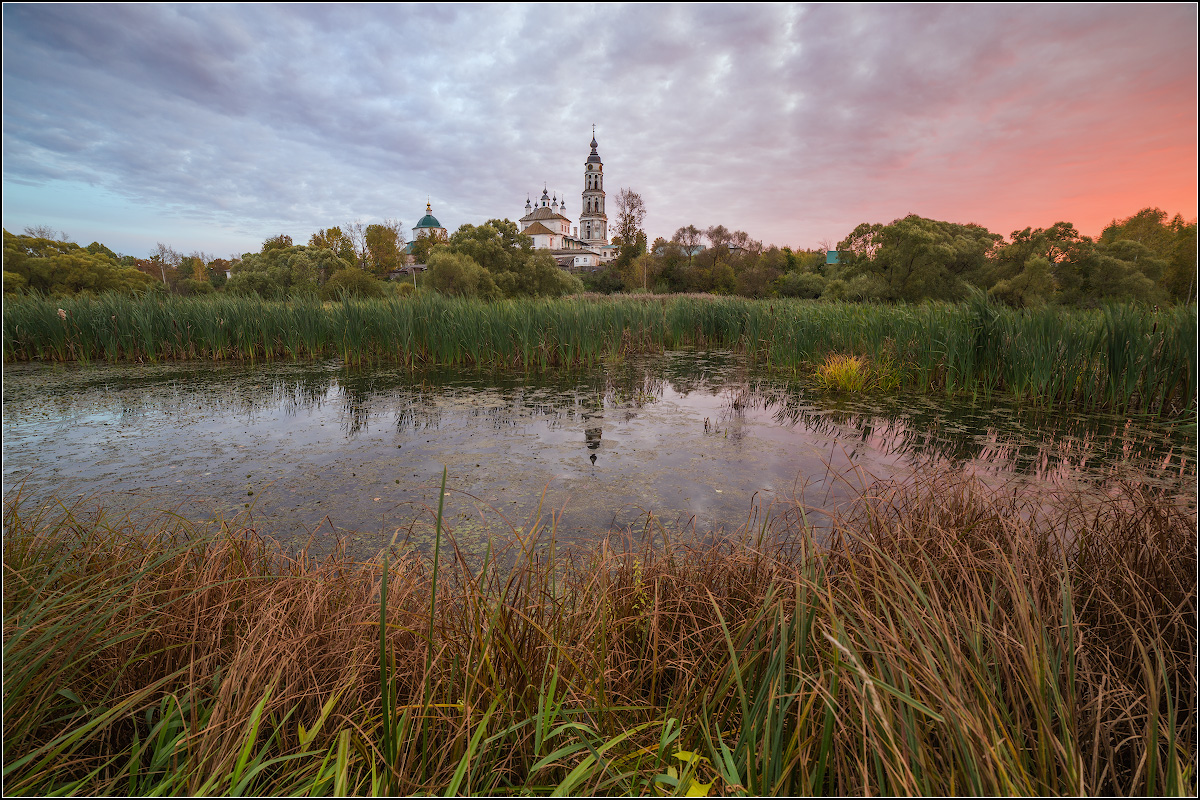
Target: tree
{"type": "Point", "coordinates": [689, 240]}
{"type": "Point", "coordinates": [1060, 246]}
{"type": "Point", "coordinates": [351, 282]}
{"type": "Point", "coordinates": [718, 239]}
{"type": "Point", "coordinates": [800, 284]}
{"type": "Point", "coordinates": [604, 281]}
{"type": "Point", "coordinates": [278, 273]}
{"type": "Point", "coordinates": [1033, 286]}
{"type": "Point", "coordinates": [509, 257]}
{"type": "Point", "coordinates": [56, 267]}
{"type": "Point", "coordinates": [1125, 270]}
{"type": "Point", "coordinates": [460, 275]}
{"type": "Point", "coordinates": [915, 259]}
{"type": "Point", "coordinates": [745, 244]}
{"type": "Point", "coordinates": [422, 246]}
{"type": "Point", "coordinates": [95, 248]}
{"type": "Point", "coordinates": [216, 272]}
{"type": "Point", "coordinates": [861, 245]}
{"type": "Point", "coordinates": [166, 258]}
{"type": "Point", "coordinates": [1172, 241]}
{"type": "Point", "coordinates": [278, 242]}
{"type": "Point", "coordinates": [334, 240]}
{"type": "Point", "coordinates": [384, 241]}
{"type": "Point", "coordinates": [46, 232]}
{"type": "Point", "coordinates": [628, 233]}
{"type": "Point", "coordinates": [356, 233]}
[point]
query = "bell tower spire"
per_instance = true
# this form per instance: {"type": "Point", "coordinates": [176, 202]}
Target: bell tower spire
{"type": "Point", "coordinates": [593, 222]}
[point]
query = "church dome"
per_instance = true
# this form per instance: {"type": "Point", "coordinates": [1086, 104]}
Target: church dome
{"type": "Point", "coordinates": [428, 221]}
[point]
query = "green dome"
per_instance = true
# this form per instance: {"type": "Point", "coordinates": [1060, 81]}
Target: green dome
{"type": "Point", "coordinates": [429, 220]}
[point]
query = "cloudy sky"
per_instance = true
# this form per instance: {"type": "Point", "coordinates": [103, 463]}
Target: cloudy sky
{"type": "Point", "coordinates": [214, 127]}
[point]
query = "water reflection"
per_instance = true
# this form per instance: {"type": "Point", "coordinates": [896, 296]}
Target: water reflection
{"type": "Point", "coordinates": [689, 435]}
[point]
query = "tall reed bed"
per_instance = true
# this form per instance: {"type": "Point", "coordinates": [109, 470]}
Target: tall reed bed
{"type": "Point", "coordinates": [941, 638]}
{"type": "Point", "coordinates": [1124, 358]}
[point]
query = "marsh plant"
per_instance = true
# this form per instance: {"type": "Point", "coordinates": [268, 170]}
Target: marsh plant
{"type": "Point", "coordinates": [844, 373]}
{"type": "Point", "coordinates": [1124, 358]}
{"type": "Point", "coordinates": [941, 636]}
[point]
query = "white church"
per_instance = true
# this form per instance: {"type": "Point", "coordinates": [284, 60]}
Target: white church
{"type": "Point", "coordinates": [578, 249]}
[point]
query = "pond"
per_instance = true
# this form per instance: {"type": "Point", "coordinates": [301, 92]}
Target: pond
{"type": "Point", "coordinates": [310, 451]}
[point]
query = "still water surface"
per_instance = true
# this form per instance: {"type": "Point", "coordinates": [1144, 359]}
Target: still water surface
{"type": "Point", "coordinates": [699, 439]}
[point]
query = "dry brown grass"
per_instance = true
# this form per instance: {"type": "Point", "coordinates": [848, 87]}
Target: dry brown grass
{"type": "Point", "coordinates": [941, 637]}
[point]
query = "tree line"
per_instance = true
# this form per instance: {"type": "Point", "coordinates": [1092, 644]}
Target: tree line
{"type": "Point", "coordinates": [1148, 257]}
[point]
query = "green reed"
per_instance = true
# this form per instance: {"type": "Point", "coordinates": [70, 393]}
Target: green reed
{"type": "Point", "coordinates": [1125, 358]}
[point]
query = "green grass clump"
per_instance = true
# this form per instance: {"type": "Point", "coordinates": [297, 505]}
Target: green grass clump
{"type": "Point", "coordinates": [1124, 358]}
{"type": "Point", "coordinates": [939, 637]}
{"type": "Point", "coordinates": [843, 373]}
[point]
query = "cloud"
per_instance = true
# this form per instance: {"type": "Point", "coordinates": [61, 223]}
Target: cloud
{"type": "Point", "coordinates": [794, 123]}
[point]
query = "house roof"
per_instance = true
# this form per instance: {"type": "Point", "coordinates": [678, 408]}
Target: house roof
{"type": "Point", "coordinates": [537, 227]}
{"type": "Point", "coordinates": [543, 212]}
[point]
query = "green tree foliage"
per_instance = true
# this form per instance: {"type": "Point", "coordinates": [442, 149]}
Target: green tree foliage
{"type": "Point", "coordinates": [422, 246]}
{"type": "Point", "coordinates": [334, 239]}
{"type": "Point", "coordinates": [14, 282]}
{"type": "Point", "coordinates": [719, 238]}
{"type": "Point", "coordinates": [384, 243]}
{"type": "Point", "coordinates": [216, 272]}
{"type": "Point", "coordinates": [280, 242]}
{"type": "Point", "coordinates": [96, 249]}
{"type": "Point", "coordinates": [916, 258]}
{"type": "Point", "coordinates": [458, 274]}
{"type": "Point", "coordinates": [189, 287]}
{"type": "Point", "coordinates": [1124, 270]}
{"type": "Point", "coordinates": [627, 233]}
{"type": "Point", "coordinates": [1037, 266]}
{"type": "Point", "coordinates": [1033, 286]}
{"type": "Point", "coordinates": [605, 281]}
{"type": "Point", "coordinates": [277, 273]}
{"type": "Point", "coordinates": [55, 267]}
{"type": "Point", "coordinates": [690, 240]}
{"type": "Point", "coordinates": [801, 284]}
{"type": "Point", "coordinates": [352, 282]}
{"type": "Point", "coordinates": [517, 269]}
{"type": "Point", "coordinates": [1172, 242]}
{"type": "Point", "coordinates": [1060, 265]}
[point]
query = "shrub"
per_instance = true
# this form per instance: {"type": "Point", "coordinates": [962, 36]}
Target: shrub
{"type": "Point", "coordinates": [351, 282]}
{"type": "Point", "coordinates": [807, 285]}
{"type": "Point", "coordinates": [458, 274]}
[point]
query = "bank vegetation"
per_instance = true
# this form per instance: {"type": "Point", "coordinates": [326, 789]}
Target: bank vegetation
{"type": "Point", "coordinates": [1120, 357]}
{"type": "Point", "coordinates": [938, 637]}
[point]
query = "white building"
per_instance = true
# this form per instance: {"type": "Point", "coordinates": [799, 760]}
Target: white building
{"type": "Point", "coordinates": [548, 225]}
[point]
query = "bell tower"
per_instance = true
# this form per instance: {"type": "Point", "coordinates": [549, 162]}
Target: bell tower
{"type": "Point", "coordinates": [593, 222]}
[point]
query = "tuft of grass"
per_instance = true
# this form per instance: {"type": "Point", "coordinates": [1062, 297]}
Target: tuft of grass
{"type": "Point", "coordinates": [844, 373]}
{"type": "Point", "coordinates": [940, 636]}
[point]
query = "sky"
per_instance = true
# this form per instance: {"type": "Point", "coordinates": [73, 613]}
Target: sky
{"type": "Point", "coordinates": [212, 128]}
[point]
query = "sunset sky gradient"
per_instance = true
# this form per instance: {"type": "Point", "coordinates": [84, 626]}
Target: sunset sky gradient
{"type": "Point", "coordinates": [214, 127]}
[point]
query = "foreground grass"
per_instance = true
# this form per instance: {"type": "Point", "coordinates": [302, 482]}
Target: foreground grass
{"type": "Point", "coordinates": [1118, 357]}
{"type": "Point", "coordinates": [944, 639]}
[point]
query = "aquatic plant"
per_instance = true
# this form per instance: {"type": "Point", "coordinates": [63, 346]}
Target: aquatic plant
{"type": "Point", "coordinates": [939, 637]}
{"type": "Point", "coordinates": [1125, 358]}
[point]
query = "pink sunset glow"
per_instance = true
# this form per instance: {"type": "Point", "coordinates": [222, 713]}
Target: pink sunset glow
{"type": "Point", "coordinates": [216, 128]}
